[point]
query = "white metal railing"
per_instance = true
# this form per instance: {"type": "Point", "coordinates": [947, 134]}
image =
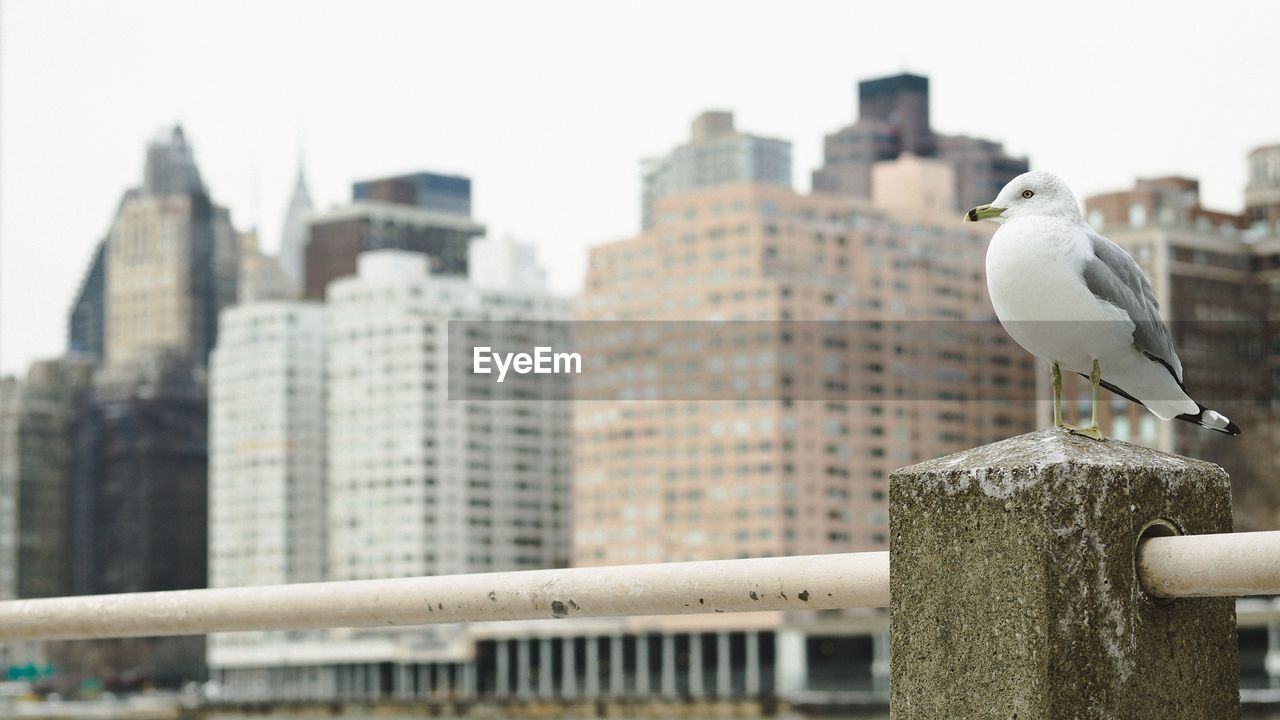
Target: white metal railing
{"type": "Point", "coordinates": [1182, 566]}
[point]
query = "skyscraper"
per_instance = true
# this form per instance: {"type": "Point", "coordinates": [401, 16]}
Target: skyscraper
{"type": "Point", "coordinates": [418, 484]}
{"type": "Point", "coordinates": [35, 454]}
{"type": "Point", "coordinates": [293, 240]}
{"type": "Point", "coordinates": [716, 154]}
{"type": "Point", "coordinates": [171, 260]}
{"type": "Point", "coordinates": [266, 453]}
{"type": "Point", "coordinates": [421, 478]}
{"type": "Point", "coordinates": [828, 342]}
{"type": "Point", "coordinates": [448, 194]}
{"type": "Point", "coordinates": [138, 509]}
{"type": "Point", "coordinates": [893, 120]}
{"type": "Point", "coordinates": [87, 321]}
{"type": "Point", "coordinates": [424, 213]}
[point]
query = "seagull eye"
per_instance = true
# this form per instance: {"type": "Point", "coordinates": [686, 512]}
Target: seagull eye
{"type": "Point", "coordinates": [1027, 194]}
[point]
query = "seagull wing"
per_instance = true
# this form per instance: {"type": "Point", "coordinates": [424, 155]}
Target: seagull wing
{"type": "Point", "coordinates": [1112, 275]}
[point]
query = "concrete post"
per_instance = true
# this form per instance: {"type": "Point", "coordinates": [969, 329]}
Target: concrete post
{"type": "Point", "coordinates": [1014, 592]}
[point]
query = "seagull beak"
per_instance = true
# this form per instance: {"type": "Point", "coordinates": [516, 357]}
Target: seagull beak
{"type": "Point", "coordinates": [984, 212]}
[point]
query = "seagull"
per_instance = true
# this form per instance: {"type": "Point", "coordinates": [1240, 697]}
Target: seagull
{"type": "Point", "coordinates": [1077, 300]}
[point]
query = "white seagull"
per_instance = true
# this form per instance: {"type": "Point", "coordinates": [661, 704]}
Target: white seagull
{"type": "Point", "coordinates": [1074, 298]}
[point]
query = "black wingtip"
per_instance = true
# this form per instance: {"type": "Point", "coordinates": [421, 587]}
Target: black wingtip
{"type": "Point", "coordinates": [1211, 420]}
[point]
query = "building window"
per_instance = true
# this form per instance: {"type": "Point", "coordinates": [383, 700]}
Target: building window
{"type": "Point", "coordinates": [1137, 215]}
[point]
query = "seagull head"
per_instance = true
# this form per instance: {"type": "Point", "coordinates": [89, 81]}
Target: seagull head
{"type": "Point", "coordinates": [1033, 193]}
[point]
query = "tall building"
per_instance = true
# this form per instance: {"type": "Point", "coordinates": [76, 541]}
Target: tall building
{"type": "Point", "coordinates": [1262, 194]}
{"type": "Point", "coordinates": [138, 509]}
{"type": "Point", "coordinates": [429, 470]}
{"type": "Point", "coordinates": [1212, 284]}
{"type": "Point", "coordinates": [785, 392]}
{"type": "Point", "coordinates": [419, 484]}
{"type": "Point", "coordinates": [266, 453]}
{"type": "Point", "coordinates": [448, 194]}
{"type": "Point", "coordinates": [261, 275]}
{"type": "Point", "coordinates": [170, 260]}
{"type": "Point", "coordinates": [35, 453]}
{"type": "Point", "coordinates": [87, 321]}
{"type": "Point", "coordinates": [423, 213]}
{"type": "Point", "coordinates": [893, 120]}
{"type": "Point", "coordinates": [716, 154]}
{"type": "Point", "coordinates": [293, 239]}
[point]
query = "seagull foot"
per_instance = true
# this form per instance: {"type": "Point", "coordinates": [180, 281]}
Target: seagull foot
{"type": "Point", "coordinates": [1092, 432]}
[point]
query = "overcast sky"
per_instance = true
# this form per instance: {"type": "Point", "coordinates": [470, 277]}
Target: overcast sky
{"type": "Point", "coordinates": [549, 106]}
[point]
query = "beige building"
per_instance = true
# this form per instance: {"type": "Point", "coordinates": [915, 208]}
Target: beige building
{"type": "Point", "coordinates": [1216, 285]}
{"type": "Point", "coordinates": [831, 342]}
{"type": "Point", "coordinates": [171, 261]}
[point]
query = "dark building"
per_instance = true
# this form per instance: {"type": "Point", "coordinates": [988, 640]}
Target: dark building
{"type": "Point", "coordinates": [35, 456]}
{"type": "Point", "coordinates": [893, 120]}
{"type": "Point", "coordinates": [429, 191]}
{"type": "Point", "coordinates": [423, 212]}
{"type": "Point", "coordinates": [900, 103]}
{"type": "Point", "coordinates": [86, 324]}
{"type": "Point", "coordinates": [138, 505]}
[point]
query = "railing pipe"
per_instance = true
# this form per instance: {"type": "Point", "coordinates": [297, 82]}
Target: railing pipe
{"type": "Point", "coordinates": [815, 582]}
{"type": "Point", "coordinates": [1167, 567]}
{"type": "Point", "coordinates": [1210, 565]}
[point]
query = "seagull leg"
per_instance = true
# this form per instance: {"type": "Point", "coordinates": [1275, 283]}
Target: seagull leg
{"type": "Point", "coordinates": [1092, 431]}
{"type": "Point", "coordinates": [1056, 376]}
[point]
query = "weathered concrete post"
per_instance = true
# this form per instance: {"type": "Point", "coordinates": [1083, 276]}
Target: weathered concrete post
{"type": "Point", "coordinates": [1014, 593]}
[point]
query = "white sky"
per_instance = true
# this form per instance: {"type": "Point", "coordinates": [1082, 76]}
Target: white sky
{"type": "Point", "coordinates": [549, 106]}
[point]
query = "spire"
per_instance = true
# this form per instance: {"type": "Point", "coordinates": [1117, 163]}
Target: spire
{"type": "Point", "coordinates": [293, 240]}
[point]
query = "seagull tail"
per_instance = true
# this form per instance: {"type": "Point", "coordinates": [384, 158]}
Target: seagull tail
{"type": "Point", "coordinates": [1211, 419]}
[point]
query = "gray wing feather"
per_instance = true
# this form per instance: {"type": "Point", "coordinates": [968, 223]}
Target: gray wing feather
{"type": "Point", "coordinates": [1112, 275]}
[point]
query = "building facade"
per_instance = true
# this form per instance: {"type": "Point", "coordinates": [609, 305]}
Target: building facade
{"type": "Point", "coordinates": [429, 470]}
{"type": "Point", "coordinates": [1213, 282]}
{"type": "Point", "coordinates": [171, 261]}
{"type": "Point", "coordinates": [266, 453]}
{"type": "Point", "coordinates": [404, 213]}
{"type": "Point", "coordinates": [716, 154]}
{"type": "Point", "coordinates": [802, 302]}
{"type": "Point", "coordinates": [1262, 194]}
{"type": "Point", "coordinates": [86, 323]}
{"type": "Point", "coordinates": [893, 120]}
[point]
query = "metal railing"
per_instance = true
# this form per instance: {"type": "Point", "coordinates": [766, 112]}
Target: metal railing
{"type": "Point", "coordinates": [1168, 567]}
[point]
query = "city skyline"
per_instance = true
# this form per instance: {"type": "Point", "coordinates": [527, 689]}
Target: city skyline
{"type": "Point", "coordinates": [554, 141]}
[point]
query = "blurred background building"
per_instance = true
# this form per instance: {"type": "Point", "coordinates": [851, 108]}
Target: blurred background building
{"type": "Point", "coordinates": [425, 213]}
{"type": "Point", "coordinates": [819, 342]}
{"type": "Point", "coordinates": [1213, 278]}
{"type": "Point", "coordinates": [716, 154]}
{"type": "Point", "coordinates": [893, 121]}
